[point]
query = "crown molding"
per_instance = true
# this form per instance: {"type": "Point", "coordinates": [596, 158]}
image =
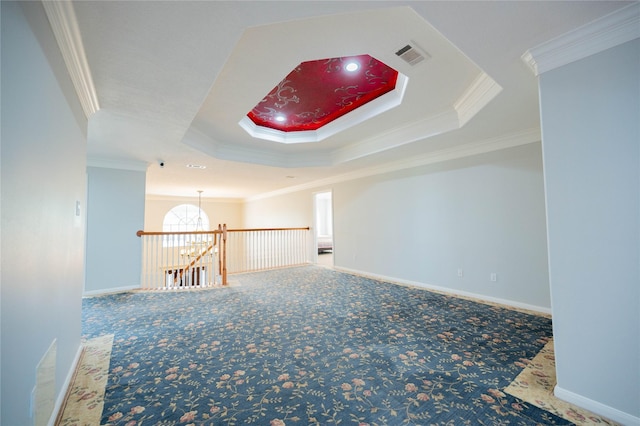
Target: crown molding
{"type": "Point", "coordinates": [611, 30]}
{"type": "Point", "coordinates": [393, 138]}
{"type": "Point", "coordinates": [67, 33]}
{"type": "Point", "coordinates": [223, 151]}
{"type": "Point", "coordinates": [160, 197]}
{"type": "Point", "coordinates": [474, 148]}
{"type": "Point", "coordinates": [477, 96]}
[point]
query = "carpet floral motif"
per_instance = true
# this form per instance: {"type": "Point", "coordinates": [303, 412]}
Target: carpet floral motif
{"type": "Point", "coordinates": [536, 382]}
{"type": "Point", "coordinates": [85, 398]}
{"type": "Point", "coordinates": [310, 345]}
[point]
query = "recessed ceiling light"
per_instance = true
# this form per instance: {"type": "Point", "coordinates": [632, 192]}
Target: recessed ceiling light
{"type": "Point", "coordinates": [351, 66]}
{"type": "Point", "coordinates": [196, 166]}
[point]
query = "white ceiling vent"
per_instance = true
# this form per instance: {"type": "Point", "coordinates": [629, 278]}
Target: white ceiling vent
{"type": "Point", "coordinates": [411, 54]}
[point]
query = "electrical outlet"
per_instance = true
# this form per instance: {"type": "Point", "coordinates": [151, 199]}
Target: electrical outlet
{"type": "Point", "coordinates": [460, 272]}
{"type": "Point", "coordinates": [493, 277]}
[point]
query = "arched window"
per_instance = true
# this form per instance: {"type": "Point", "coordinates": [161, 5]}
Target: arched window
{"type": "Point", "coordinates": [184, 218]}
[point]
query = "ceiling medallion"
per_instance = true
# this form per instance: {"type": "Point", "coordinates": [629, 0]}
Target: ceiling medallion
{"type": "Point", "coordinates": [306, 105]}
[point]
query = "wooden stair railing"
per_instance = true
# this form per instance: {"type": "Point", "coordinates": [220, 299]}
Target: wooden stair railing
{"type": "Point", "coordinates": [238, 251]}
{"type": "Point", "coordinates": [256, 249]}
{"type": "Point", "coordinates": [222, 234]}
{"type": "Point", "coordinates": [219, 239]}
{"type": "Point", "coordinates": [192, 264]}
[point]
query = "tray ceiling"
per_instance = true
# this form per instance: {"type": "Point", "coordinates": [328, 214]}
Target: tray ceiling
{"type": "Point", "coordinates": [171, 80]}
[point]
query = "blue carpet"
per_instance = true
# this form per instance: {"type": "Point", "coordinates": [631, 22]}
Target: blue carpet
{"type": "Point", "coordinates": [312, 346]}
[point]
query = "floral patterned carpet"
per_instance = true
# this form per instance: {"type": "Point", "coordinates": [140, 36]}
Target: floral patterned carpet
{"type": "Point", "coordinates": [536, 382]}
{"type": "Point", "coordinates": [310, 345]}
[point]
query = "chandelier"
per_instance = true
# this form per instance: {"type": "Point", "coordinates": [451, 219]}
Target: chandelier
{"type": "Point", "coordinates": [198, 244]}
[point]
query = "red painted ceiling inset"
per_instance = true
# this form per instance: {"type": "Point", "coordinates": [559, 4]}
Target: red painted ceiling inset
{"type": "Point", "coordinates": [318, 92]}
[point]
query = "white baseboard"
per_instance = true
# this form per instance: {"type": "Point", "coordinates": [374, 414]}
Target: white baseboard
{"type": "Point", "coordinates": [109, 291]}
{"type": "Point", "coordinates": [453, 292]}
{"type": "Point", "coordinates": [596, 407]}
{"type": "Point", "coordinates": [65, 387]}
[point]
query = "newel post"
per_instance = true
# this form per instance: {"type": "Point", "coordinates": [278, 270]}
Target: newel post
{"type": "Point", "coordinates": [223, 255]}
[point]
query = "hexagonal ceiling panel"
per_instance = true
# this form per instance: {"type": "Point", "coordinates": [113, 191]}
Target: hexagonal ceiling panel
{"type": "Point", "coordinates": [432, 97]}
{"type": "Point", "coordinates": [318, 92]}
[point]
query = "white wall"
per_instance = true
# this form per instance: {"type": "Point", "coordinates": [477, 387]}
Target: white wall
{"type": "Point", "coordinates": [43, 176]}
{"type": "Point", "coordinates": [293, 210]}
{"type": "Point", "coordinates": [482, 214]}
{"type": "Point", "coordinates": [115, 212]}
{"type": "Point", "coordinates": [218, 211]}
{"type": "Point", "coordinates": [591, 138]}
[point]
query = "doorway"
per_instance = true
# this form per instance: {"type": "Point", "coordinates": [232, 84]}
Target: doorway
{"type": "Point", "coordinates": [323, 212]}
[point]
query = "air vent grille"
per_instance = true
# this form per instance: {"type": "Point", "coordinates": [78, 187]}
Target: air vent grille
{"type": "Point", "coordinates": [411, 55]}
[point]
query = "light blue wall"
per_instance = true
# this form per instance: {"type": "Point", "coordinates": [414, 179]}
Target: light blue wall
{"type": "Point", "coordinates": [591, 139]}
{"type": "Point", "coordinates": [115, 212]}
{"type": "Point", "coordinates": [483, 214]}
{"type": "Point", "coordinates": [43, 178]}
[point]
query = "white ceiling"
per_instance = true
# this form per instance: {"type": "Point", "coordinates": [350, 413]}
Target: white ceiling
{"type": "Point", "coordinates": [173, 78]}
